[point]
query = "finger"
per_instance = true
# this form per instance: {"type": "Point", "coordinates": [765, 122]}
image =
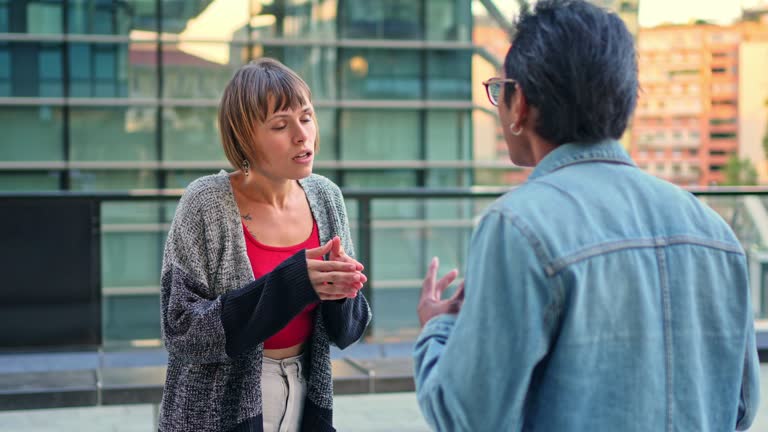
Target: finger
{"type": "Point", "coordinates": [336, 249]}
{"type": "Point", "coordinates": [328, 297]}
{"type": "Point", "coordinates": [336, 290]}
{"type": "Point", "coordinates": [459, 294]}
{"type": "Point", "coordinates": [444, 282]}
{"type": "Point", "coordinates": [328, 266]}
{"type": "Point", "coordinates": [428, 286]}
{"type": "Point", "coordinates": [319, 252]}
{"type": "Point", "coordinates": [339, 279]}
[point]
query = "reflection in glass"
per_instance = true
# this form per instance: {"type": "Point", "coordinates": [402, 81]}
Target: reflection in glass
{"type": "Point", "coordinates": [381, 74]}
{"type": "Point", "coordinates": [29, 181]}
{"type": "Point", "coordinates": [316, 65]}
{"type": "Point", "coordinates": [124, 134]}
{"type": "Point", "coordinates": [369, 135]}
{"type": "Point", "coordinates": [305, 19]}
{"type": "Point", "coordinates": [200, 69]}
{"type": "Point", "coordinates": [382, 19]}
{"type": "Point", "coordinates": [326, 122]}
{"type": "Point", "coordinates": [191, 134]}
{"type": "Point", "coordinates": [4, 4]}
{"type": "Point", "coordinates": [111, 17]}
{"type": "Point", "coordinates": [221, 20]}
{"type": "Point", "coordinates": [449, 75]}
{"type": "Point", "coordinates": [41, 17]}
{"type": "Point", "coordinates": [448, 20]}
{"type": "Point", "coordinates": [31, 69]}
{"type": "Point", "coordinates": [49, 70]}
{"type": "Point", "coordinates": [130, 317]}
{"type": "Point", "coordinates": [5, 70]}
{"type": "Point", "coordinates": [119, 180]}
{"type": "Point", "coordinates": [113, 70]}
{"type": "Point", "coordinates": [31, 133]}
{"type": "Point", "coordinates": [180, 179]}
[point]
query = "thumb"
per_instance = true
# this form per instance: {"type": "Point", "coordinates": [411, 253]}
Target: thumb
{"type": "Point", "coordinates": [319, 252]}
{"type": "Point", "coordinates": [336, 248]}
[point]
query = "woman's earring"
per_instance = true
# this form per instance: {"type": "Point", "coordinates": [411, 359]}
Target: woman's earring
{"type": "Point", "coordinates": [515, 132]}
{"type": "Point", "coordinates": [246, 166]}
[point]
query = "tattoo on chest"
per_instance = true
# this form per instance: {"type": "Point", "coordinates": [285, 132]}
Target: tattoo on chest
{"type": "Point", "coordinates": [246, 217]}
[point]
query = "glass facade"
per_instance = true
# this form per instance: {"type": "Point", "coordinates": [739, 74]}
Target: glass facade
{"type": "Point", "coordinates": [102, 95]}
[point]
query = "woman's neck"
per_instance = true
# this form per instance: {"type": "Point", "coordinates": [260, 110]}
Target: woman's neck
{"type": "Point", "coordinates": [273, 192]}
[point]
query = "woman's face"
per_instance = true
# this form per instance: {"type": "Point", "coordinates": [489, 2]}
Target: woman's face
{"type": "Point", "coordinates": [285, 144]}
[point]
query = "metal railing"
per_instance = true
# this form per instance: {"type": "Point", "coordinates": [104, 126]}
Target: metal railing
{"type": "Point", "coordinates": [363, 220]}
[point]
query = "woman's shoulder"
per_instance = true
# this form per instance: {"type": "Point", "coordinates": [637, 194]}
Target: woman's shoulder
{"type": "Point", "coordinates": [320, 183]}
{"type": "Point", "coordinates": [207, 191]}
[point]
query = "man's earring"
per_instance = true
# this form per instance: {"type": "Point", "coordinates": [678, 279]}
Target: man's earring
{"type": "Point", "coordinates": [246, 166]}
{"type": "Point", "coordinates": [515, 132]}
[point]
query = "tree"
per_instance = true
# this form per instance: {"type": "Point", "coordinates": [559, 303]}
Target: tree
{"type": "Point", "coordinates": [765, 138]}
{"type": "Point", "coordinates": [740, 172]}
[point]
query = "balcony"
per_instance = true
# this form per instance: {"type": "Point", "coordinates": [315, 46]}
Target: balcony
{"type": "Point", "coordinates": [112, 358]}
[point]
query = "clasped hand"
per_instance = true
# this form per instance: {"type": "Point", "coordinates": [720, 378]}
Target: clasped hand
{"type": "Point", "coordinates": [338, 278]}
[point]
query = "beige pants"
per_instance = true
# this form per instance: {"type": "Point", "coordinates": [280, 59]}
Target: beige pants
{"type": "Point", "coordinates": [283, 390]}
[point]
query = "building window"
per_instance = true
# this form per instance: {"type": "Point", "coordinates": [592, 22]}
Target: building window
{"type": "Point", "coordinates": [381, 74]}
{"type": "Point", "coordinates": [383, 19]}
{"type": "Point", "coordinates": [722, 135]}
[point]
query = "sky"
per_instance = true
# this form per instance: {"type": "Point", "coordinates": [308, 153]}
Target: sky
{"type": "Point", "coordinates": [655, 12]}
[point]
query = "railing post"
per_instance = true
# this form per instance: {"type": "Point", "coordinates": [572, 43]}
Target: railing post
{"type": "Point", "coordinates": [365, 255]}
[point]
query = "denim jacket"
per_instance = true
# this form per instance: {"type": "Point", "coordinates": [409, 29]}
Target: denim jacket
{"type": "Point", "coordinates": [598, 298]}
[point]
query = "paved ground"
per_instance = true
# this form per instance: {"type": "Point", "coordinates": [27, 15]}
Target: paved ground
{"type": "Point", "coordinates": [358, 413]}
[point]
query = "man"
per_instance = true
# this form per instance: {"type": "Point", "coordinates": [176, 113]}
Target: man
{"type": "Point", "coordinates": [598, 298]}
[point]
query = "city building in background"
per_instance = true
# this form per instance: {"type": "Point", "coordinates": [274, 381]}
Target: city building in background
{"type": "Point", "coordinates": [686, 126]}
{"type": "Point", "coordinates": [102, 95]}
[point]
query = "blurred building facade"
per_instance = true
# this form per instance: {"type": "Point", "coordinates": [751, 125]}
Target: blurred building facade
{"type": "Point", "coordinates": [686, 126]}
{"type": "Point", "coordinates": [114, 95]}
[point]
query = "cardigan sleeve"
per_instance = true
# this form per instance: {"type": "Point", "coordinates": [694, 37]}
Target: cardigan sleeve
{"type": "Point", "coordinates": [345, 320]}
{"type": "Point", "coordinates": [200, 327]}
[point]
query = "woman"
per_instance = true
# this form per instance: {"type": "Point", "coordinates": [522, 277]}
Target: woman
{"type": "Point", "coordinates": [249, 306]}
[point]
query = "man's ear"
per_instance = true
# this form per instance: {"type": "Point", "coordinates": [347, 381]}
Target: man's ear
{"type": "Point", "coordinates": [520, 108]}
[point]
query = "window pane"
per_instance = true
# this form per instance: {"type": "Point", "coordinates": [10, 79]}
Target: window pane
{"type": "Point", "coordinates": [448, 20]}
{"type": "Point", "coordinates": [111, 17]}
{"type": "Point", "coordinates": [382, 19]}
{"type": "Point", "coordinates": [182, 178]}
{"type": "Point", "coordinates": [191, 134]}
{"type": "Point", "coordinates": [4, 28]}
{"type": "Point", "coordinates": [130, 259]}
{"type": "Point", "coordinates": [120, 180]}
{"type": "Point", "coordinates": [381, 74]}
{"type": "Point", "coordinates": [326, 121]}
{"type": "Point", "coordinates": [31, 133]}
{"type": "Point", "coordinates": [5, 71]}
{"type": "Point", "coordinates": [26, 181]}
{"type": "Point", "coordinates": [50, 71]}
{"type": "Point", "coordinates": [369, 135]}
{"type": "Point", "coordinates": [131, 317]}
{"type": "Point", "coordinates": [43, 17]}
{"type": "Point", "coordinates": [312, 19]}
{"type": "Point", "coordinates": [316, 65]}
{"type": "Point", "coordinates": [449, 75]}
{"type": "Point", "coordinates": [130, 132]}
{"type": "Point", "coordinates": [206, 19]}
{"type": "Point", "coordinates": [113, 70]}
{"type": "Point", "coordinates": [447, 134]}
{"type": "Point", "coordinates": [200, 69]}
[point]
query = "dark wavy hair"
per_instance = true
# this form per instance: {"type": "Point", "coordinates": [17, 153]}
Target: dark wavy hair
{"type": "Point", "coordinates": [576, 64]}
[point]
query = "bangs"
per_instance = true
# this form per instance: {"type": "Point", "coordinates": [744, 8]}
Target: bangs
{"type": "Point", "coordinates": [279, 92]}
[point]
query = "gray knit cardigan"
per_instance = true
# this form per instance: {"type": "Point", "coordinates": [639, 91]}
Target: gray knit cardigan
{"type": "Point", "coordinates": [215, 316]}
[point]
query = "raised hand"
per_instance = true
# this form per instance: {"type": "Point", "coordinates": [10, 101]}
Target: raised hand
{"type": "Point", "coordinates": [430, 302]}
{"type": "Point", "coordinates": [333, 279]}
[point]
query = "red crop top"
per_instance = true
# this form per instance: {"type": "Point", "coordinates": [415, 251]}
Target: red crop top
{"type": "Point", "coordinates": [263, 260]}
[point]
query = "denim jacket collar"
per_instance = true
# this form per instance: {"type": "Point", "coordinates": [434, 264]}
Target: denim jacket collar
{"type": "Point", "coordinates": [572, 153]}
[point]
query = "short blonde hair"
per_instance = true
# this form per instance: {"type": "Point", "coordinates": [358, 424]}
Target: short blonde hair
{"type": "Point", "coordinates": [257, 89]}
